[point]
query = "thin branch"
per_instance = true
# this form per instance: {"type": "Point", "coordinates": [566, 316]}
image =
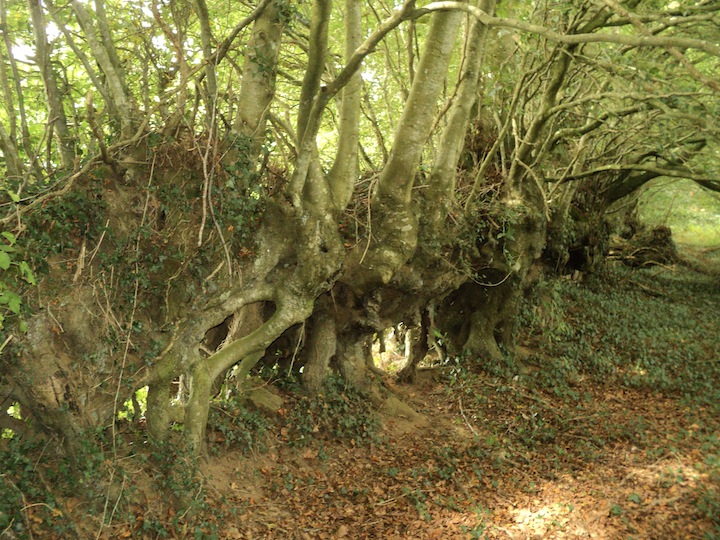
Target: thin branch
{"type": "Point", "coordinates": [660, 171]}
{"type": "Point", "coordinates": [573, 39]}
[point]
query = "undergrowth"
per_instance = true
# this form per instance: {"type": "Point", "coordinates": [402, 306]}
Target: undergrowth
{"type": "Point", "coordinates": [652, 328]}
{"type": "Point", "coordinates": [339, 411]}
{"type": "Point", "coordinates": [236, 426]}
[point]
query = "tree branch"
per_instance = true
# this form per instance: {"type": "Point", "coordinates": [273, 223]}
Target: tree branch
{"type": "Point", "coordinates": [341, 177]}
{"type": "Point", "coordinates": [574, 39]}
{"type": "Point", "coordinates": [679, 172]}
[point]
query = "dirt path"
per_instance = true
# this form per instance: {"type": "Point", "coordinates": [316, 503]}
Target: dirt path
{"type": "Point", "coordinates": [514, 465]}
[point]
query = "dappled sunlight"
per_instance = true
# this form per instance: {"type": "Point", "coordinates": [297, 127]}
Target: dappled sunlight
{"type": "Point", "coordinates": [600, 502]}
{"type": "Point", "coordinates": [390, 354]}
{"type": "Point", "coordinates": [558, 516]}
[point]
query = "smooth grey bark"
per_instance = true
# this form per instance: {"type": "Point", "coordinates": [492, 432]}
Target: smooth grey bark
{"type": "Point", "coordinates": [341, 177]}
{"type": "Point", "coordinates": [104, 53]}
{"type": "Point", "coordinates": [416, 347]}
{"type": "Point", "coordinates": [317, 53]}
{"type": "Point", "coordinates": [394, 225]}
{"type": "Point", "coordinates": [57, 119]}
{"type": "Point", "coordinates": [206, 39]}
{"type": "Point", "coordinates": [396, 179]}
{"type": "Point", "coordinates": [158, 410]}
{"type": "Point", "coordinates": [87, 64]}
{"type": "Point", "coordinates": [13, 164]}
{"type": "Point", "coordinates": [441, 184]}
{"type": "Point", "coordinates": [319, 348]}
{"type": "Point", "coordinates": [259, 75]}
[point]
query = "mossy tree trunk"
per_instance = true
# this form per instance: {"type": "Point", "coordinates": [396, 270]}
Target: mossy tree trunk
{"type": "Point", "coordinates": [182, 214]}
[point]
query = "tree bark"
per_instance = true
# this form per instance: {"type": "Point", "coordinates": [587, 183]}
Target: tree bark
{"type": "Point", "coordinates": [56, 111]}
{"type": "Point", "coordinates": [341, 177]}
{"type": "Point", "coordinates": [104, 53]}
{"type": "Point", "coordinates": [259, 75]}
{"type": "Point", "coordinates": [394, 224]}
{"type": "Point", "coordinates": [319, 349]}
{"type": "Point", "coordinates": [416, 347]}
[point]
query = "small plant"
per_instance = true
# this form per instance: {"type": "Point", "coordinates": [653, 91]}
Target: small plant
{"type": "Point", "coordinates": [477, 531]}
{"type": "Point", "coordinates": [236, 426]}
{"type": "Point", "coordinates": [27, 504]}
{"type": "Point", "coordinates": [15, 274]}
{"type": "Point", "coordinates": [418, 499]}
{"type": "Point", "coordinates": [340, 411]}
{"type": "Point", "coordinates": [708, 503]}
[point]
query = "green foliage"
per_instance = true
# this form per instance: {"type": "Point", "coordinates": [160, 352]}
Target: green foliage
{"type": "Point", "coordinates": [419, 500]}
{"type": "Point", "coordinates": [339, 411]}
{"type": "Point", "coordinates": [61, 224]}
{"type": "Point", "coordinates": [177, 474]}
{"type": "Point", "coordinates": [235, 425]}
{"type": "Point", "coordinates": [650, 328]}
{"type": "Point", "coordinates": [241, 196]}
{"type": "Point", "coordinates": [140, 258]}
{"type": "Point", "coordinates": [15, 276]}
{"type": "Point", "coordinates": [691, 212]}
{"type": "Point", "coordinates": [26, 498]}
{"type": "Point", "coordinates": [708, 502]}
{"type": "Point", "coordinates": [494, 225]}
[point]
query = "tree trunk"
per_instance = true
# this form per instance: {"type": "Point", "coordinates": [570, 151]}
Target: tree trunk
{"type": "Point", "coordinates": [55, 102]}
{"type": "Point", "coordinates": [319, 348]}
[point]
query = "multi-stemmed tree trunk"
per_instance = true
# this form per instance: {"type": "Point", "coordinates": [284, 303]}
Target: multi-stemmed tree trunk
{"type": "Point", "coordinates": [187, 247]}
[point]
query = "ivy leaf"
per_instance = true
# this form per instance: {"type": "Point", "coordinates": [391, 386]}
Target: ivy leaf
{"type": "Point", "coordinates": [12, 300]}
{"type": "Point", "coordinates": [4, 260]}
{"type": "Point", "coordinates": [27, 273]}
{"type": "Point", "coordinates": [14, 303]}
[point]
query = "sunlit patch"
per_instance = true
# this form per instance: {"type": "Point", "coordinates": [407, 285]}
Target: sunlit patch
{"type": "Point", "coordinates": [545, 518]}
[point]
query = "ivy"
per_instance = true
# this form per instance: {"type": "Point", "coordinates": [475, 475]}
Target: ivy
{"type": "Point", "coordinates": [15, 275]}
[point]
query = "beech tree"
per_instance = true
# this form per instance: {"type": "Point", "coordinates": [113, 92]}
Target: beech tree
{"type": "Point", "coordinates": [190, 186]}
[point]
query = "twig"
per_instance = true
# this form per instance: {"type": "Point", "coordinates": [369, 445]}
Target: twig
{"type": "Point", "coordinates": [131, 322]}
{"type": "Point", "coordinates": [6, 342]}
{"type": "Point", "coordinates": [24, 508]}
{"type": "Point", "coordinates": [117, 502]}
{"type": "Point", "coordinates": [80, 261]}
{"type": "Point", "coordinates": [100, 241]}
{"type": "Point", "coordinates": [107, 501]}
{"type": "Point", "coordinates": [369, 220]}
{"type": "Point", "coordinates": [462, 413]}
{"type": "Point", "coordinates": [649, 290]}
{"type": "Point", "coordinates": [297, 348]}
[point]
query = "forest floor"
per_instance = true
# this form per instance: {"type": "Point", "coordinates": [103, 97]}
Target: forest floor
{"type": "Point", "coordinates": [608, 428]}
{"type": "Point", "coordinates": [607, 443]}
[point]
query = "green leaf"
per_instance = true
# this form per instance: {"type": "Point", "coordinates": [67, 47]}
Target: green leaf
{"type": "Point", "coordinates": [14, 304]}
{"type": "Point", "coordinates": [635, 498]}
{"type": "Point", "coordinates": [27, 273]}
{"type": "Point", "coordinates": [4, 260]}
{"type": "Point", "coordinates": [14, 196]}
{"type": "Point", "coordinates": [10, 237]}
